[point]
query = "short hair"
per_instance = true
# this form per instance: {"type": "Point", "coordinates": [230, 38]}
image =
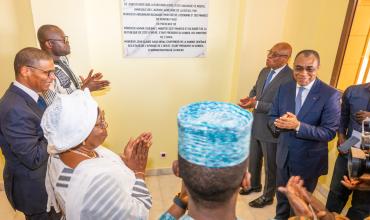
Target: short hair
{"type": "Point", "coordinates": [211, 187]}
{"type": "Point", "coordinates": [308, 53]}
{"type": "Point", "coordinates": [29, 56]}
{"type": "Point", "coordinates": [44, 31]}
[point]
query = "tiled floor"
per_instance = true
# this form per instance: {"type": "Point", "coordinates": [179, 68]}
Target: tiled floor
{"type": "Point", "coordinates": [163, 189]}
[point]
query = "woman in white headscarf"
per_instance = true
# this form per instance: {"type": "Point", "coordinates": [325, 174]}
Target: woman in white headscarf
{"type": "Point", "coordinates": [85, 180]}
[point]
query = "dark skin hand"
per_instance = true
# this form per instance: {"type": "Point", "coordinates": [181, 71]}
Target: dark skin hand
{"type": "Point", "coordinates": [341, 139]}
{"type": "Point", "coordinates": [362, 184]}
{"type": "Point", "coordinates": [287, 121]}
{"type": "Point", "coordinates": [300, 200]}
{"type": "Point", "coordinates": [247, 102]}
{"type": "Point", "coordinates": [135, 154]}
{"type": "Point", "coordinates": [94, 81]}
{"type": "Point", "coordinates": [361, 115]}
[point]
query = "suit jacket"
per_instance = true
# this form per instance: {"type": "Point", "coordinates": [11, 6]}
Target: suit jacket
{"type": "Point", "coordinates": [306, 151]}
{"type": "Point", "coordinates": [24, 147]}
{"type": "Point", "coordinates": [260, 129]}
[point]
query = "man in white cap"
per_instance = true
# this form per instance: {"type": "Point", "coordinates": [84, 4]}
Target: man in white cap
{"type": "Point", "coordinates": [85, 180]}
{"type": "Point", "coordinates": [212, 162]}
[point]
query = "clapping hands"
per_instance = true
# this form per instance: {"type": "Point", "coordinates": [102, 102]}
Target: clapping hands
{"type": "Point", "coordinates": [135, 154]}
{"type": "Point", "coordinates": [94, 82]}
{"type": "Point", "coordinates": [247, 102]}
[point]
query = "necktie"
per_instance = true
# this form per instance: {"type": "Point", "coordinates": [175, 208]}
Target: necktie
{"type": "Point", "coordinates": [41, 103]}
{"type": "Point", "coordinates": [268, 80]}
{"type": "Point", "coordinates": [298, 100]}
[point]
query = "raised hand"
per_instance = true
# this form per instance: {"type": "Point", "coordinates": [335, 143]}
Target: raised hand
{"type": "Point", "coordinates": [135, 154]}
{"type": "Point", "coordinates": [94, 82]}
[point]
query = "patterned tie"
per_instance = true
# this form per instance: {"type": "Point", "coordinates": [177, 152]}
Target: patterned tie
{"type": "Point", "coordinates": [298, 100]}
{"type": "Point", "coordinates": [41, 103]}
{"type": "Point", "coordinates": [268, 80]}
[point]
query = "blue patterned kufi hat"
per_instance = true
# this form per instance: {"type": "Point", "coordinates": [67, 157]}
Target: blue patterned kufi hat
{"type": "Point", "coordinates": [214, 134]}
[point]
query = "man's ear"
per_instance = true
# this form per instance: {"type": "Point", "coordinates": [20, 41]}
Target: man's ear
{"type": "Point", "coordinates": [175, 168]}
{"type": "Point", "coordinates": [24, 71]}
{"type": "Point", "coordinates": [246, 181]}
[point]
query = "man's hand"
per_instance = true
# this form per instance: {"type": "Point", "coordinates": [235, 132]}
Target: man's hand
{"type": "Point", "coordinates": [361, 115]}
{"type": "Point", "coordinates": [135, 154]}
{"type": "Point", "coordinates": [300, 200]}
{"type": "Point", "coordinates": [247, 102]}
{"type": "Point", "coordinates": [94, 82]}
{"type": "Point", "coordinates": [341, 139]}
{"type": "Point", "coordinates": [287, 121]}
{"type": "Point", "coordinates": [356, 184]}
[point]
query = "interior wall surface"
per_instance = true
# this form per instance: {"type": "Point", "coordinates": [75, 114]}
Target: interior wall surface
{"type": "Point", "coordinates": [16, 32]}
{"type": "Point", "coordinates": [145, 93]}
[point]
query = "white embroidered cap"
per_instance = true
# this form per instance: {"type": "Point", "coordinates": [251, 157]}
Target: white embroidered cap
{"type": "Point", "coordinates": [69, 120]}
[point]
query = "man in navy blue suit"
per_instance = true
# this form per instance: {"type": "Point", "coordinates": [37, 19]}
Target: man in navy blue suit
{"type": "Point", "coordinates": [22, 140]}
{"type": "Point", "coordinates": [305, 114]}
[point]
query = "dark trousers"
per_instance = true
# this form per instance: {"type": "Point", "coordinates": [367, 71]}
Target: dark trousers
{"type": "Point", "coordinates": [339, 194]}
{"type": "Point", "coordinates": [283, 210]}
{"type": "Point", "coordinates": [266, 150]}
{"type": "Point", "coordinates": [52, 215]}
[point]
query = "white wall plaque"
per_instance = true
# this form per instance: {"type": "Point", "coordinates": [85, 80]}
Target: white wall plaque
{"type": "Point", "coordinates": [165, 28]}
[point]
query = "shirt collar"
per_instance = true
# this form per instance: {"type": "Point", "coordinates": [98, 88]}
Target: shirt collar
{"type": "Point", "coordinates": [309, 86]}
{"type": "Point", "coordinates": [27, 90]}
{"type": "Point", "coordinates": [278, 69]}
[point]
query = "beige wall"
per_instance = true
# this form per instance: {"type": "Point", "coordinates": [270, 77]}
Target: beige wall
{"type": "Point", "coordinates": [146, 93]}
{"type": "Point", "coordinates": [16, 32]}
{"type": "Point", "coordinates": [356, 45]}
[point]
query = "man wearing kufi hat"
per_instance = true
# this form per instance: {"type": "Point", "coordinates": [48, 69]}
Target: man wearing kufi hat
{"type": "Point", "coordinates": [212, 160]}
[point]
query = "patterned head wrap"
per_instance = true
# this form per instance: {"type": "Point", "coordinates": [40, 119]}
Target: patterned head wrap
{"type": "Point", "coordinates": [214, 134]}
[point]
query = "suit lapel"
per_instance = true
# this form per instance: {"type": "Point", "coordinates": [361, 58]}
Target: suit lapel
{"type": "Point", "coordinates": [276, 80]}
{"type": "Point", "coordinates": [28, 99]}
{"type": "Point", "coordinates": [312, 97]}
{"type": "Point", "coordinates": [261, 83]}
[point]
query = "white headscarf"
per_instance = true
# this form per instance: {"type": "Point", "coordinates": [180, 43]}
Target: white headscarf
{"type": "Point", "coordinates": [69, 120]}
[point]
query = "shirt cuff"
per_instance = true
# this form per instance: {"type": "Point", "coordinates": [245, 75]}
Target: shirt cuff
{"type": "Point", "coordinates": [255, 107]}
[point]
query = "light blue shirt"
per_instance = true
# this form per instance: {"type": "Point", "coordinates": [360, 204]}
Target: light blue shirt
{"type": "Point", "coordinates": [305, 91]}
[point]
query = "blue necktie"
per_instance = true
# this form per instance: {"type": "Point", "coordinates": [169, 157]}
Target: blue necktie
{"type": "Point", "coordinates": [268, 80]}
{"type": "Point", "coordinates": [298, 100]}
{"type": "Point", "coordinates": [41, 103]}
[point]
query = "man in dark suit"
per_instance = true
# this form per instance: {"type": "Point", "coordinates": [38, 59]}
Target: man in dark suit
{"type": "Point", "coordinates": [263, 143]}
{"type": "Point", "coordinates": [305, 114]}
{"type": "Point", "coordinates": [23, 143]}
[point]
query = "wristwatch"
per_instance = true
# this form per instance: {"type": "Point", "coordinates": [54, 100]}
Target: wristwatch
{"type": "Point", "coordinates": [177, 200]}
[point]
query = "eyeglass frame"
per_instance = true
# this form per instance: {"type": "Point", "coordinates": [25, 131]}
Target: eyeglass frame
{"type": "Point", "coordinates": [47, 72]}
{"type": "Point", "coordinates": [308, 69]}
{"type": "Point", "coordinates": [275, 54]}
{"type": "Point", "coordinates": [65, 39]}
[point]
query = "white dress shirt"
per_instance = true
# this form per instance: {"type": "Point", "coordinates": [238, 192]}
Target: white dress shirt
{"type": "Point", "coordinates": [27, 90]}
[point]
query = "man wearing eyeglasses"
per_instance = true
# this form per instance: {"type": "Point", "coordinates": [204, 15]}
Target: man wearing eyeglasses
{"type": "Point", "coordinates": [305, 114]}
{"type": "Point", "coordinates": [53, 40]}
{"type": "Point", "coordinates": [23, 143]}
{"type": "Point", "coordinates": [263, 143]}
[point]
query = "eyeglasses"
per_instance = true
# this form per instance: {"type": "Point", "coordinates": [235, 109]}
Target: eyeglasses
{"type": "Point", "coordinates": [65, 39]}
{"type": "Point", "coordinates": [47, 72]}
{"type": "Point", "coordinates": [309, 69]}
{"type": "Point", "coordinates": [101, 121]}
{"type": "Point", "coordinates": [274, 54]}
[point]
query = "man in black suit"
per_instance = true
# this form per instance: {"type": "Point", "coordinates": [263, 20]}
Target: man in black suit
{"type": "Point", "coordinates": [263, 143]}
{"type": "Point", "coordinates": [23, 143]}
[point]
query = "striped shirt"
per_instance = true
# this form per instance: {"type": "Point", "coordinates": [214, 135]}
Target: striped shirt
{"type": "Point", "coordinates": [65, 81]}
{"type": "Point", "coordinates": [109, 195]}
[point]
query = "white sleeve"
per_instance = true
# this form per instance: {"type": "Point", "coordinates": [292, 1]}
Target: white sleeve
{"type": "Point", "coordinates": [106, 198]}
